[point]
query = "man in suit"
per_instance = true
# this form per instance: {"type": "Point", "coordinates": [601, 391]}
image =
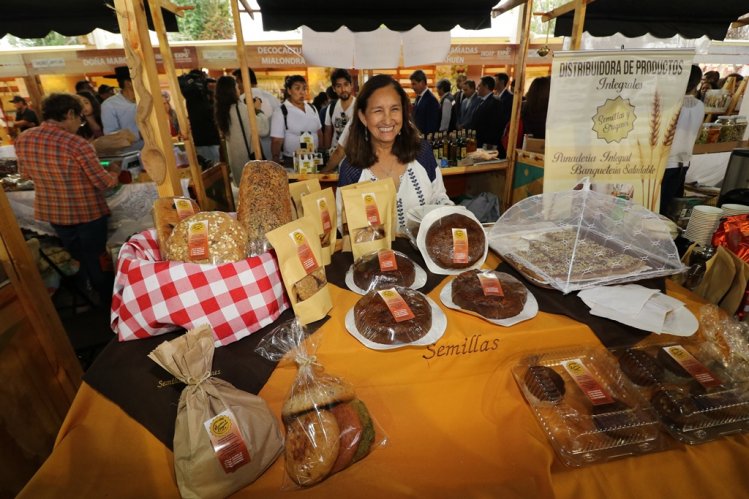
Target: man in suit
{"type": "Point", "coordinates": [426, 112]}
{"type": "Point", "coordinates": [505, 97]}
{"type": "Point", "coordinates": [469, 104]}
{"type": "Point", "coordinates": [486, 117]}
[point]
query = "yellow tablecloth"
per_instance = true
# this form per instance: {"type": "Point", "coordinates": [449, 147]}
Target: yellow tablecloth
{"type": "Point", "coordinates": [456, 425]}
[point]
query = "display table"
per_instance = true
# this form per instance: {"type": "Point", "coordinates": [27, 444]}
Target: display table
{"type": "Point", "coordinates": [126, 202]}
{"type": "Point", "coordinates": [457, 426]}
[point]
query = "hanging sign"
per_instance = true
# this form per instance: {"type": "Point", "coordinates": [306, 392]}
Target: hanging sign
{"type": "Point", "coordinates": [612, 117]}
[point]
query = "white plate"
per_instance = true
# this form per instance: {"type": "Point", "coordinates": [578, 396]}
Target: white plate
{"type": "Point", "coordinates": [530, 310]}
{"type": "Point", "coordinates": [421, 239]}
{"type": "Point", "coordinates": [420, 279]}
{"type": "Point", "coordinates": [439, 325]}
{"type": "Point", "coordinates": [681, 322]}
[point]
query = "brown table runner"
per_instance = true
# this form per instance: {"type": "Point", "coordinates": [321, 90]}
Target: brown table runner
{"type": "Point", "coordinates": [124, 374]}
{"type": "Point", "coordinates": [611, 333]}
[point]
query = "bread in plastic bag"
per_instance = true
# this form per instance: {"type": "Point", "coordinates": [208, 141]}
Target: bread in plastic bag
{"type": "Point", "coordinates": [394, 316]}
{"type": "Point", "coordinates": [573, 240]}
{"type": "Point", "coordinates": [207, 237]}
{"type": "Point", "coordinates": [224, 438]}
{"type": "Point", "coordinates": [451, 240]}
{"type": "Point", "coordinates": [327, 427]}
{"type": "Point", "coordinates": [726, 339]}
{"type": "Point", "coordinates": [384, 269]}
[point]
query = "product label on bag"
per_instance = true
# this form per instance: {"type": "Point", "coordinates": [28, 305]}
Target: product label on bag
{"type": "Point", "coordinates": [183, 207]}
{"type": "Point", "coordinates": [590, 386]}
{"type": "Point", "coordinates": [387, 260]}
{"type": "Point", "coordinates": [460, 246]}
{"type": "Point", "coordinates": [693, 366]}
{"type": "Point", "coordinates": [397, 305]}
{"type": "Point", "coordinates": [197, 240]}
{"type": "Point", "coordinates": [490, 284]}
{"type": "Point", "coordinates": [228, 444]}
{"type": "Point", "coordinates": [327, 225]}
{"type": "Point", "coordinates": [370, 205]}
{"type": "Point", "coordinates": [304, 251]}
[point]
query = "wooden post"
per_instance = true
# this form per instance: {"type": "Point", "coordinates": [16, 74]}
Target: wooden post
{"type": "Point", "coordinates": [520, 59]}
{"type": "Point", "coordinates": [178, 99]}
{"type": "Point", "coordinates": [242, 58]}
{"type": "Point", "coordinates": [157, 154]}
{"type": "Point", "coordinates": [577, 23]}
{"type": "Point", "coordinates": [36, 94]}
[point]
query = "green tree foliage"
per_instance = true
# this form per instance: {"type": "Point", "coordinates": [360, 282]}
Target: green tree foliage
{"type": "Point", "coordinates": [52, 39]}
{"type": "Point", "coordinates": [537, 25]}
{"type": "Point", "coordinates": [209, 20]}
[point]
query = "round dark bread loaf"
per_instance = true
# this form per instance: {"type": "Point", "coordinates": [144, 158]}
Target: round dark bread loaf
{"type": "Point", "coordinates": [375, 322]}
{"type": "Point", "coordinates": [544, 383]}
{"type": "Point", "coordinates": [468, 294]}
{"type": "Point", "coordinates": [367, 271]}
{"type": "Point", "coordinates": [640, 367]}
{"type": "Point", "coordinates": [439, 241]}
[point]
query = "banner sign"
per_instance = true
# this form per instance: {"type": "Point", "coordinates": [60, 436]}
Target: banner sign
{"type": "Point", "coordinates": [612, 118]}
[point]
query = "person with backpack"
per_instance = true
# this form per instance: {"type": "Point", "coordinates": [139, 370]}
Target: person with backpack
{"type": "Point", "coordinates": [342, 110]}
{"type": "Point", "coordinates": [234, 125]}
{"type": "Point", "coordinates": [294, 117]}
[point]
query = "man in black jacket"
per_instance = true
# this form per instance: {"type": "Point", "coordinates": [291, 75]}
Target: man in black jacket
{"type": "Point", "coordinates": [486, 118]}
{"type": "Point", "coordinates": [426, 112]}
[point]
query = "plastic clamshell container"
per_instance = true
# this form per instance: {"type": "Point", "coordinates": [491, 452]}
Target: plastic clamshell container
{"type": "Point", "coordinates": [694, 396]}
{"type": "Point", "coordinates": [620, 423]}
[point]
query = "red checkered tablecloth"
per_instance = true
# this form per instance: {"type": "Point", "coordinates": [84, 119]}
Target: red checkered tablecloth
{"type": "Point", "coordinates": [153, 297]}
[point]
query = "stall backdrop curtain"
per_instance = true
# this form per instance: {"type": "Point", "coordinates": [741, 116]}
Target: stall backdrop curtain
{"type": "Point", "coordinates": [36, 18]}
{"type": "Point", "coordinates": [660, 18]}
{"type": "Point", "coordinates": [329, 15]}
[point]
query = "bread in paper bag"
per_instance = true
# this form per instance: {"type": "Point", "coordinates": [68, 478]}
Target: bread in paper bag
{"type": "Point", "coordinates": [320, 206]}
{"type": "Point", "coordinates": [369, 216]}
{"type": "Point", "coordinates": [298, 190]}
{"type": "Point", "coordinates": [167, 213]}
{"type": "Point", "coordinates": [224, 438]}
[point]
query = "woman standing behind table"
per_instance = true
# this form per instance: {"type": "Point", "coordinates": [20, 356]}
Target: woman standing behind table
{"type": "Point", "coordinates": [91, 126]}
{"type": "Point", "coordinates": [384, 143]}
{"type": "Point", "coordinates": [234, 125]}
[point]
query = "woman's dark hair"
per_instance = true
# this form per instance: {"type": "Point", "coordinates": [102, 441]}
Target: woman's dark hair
{"type": "Point", "coordinates": [291, 79]}
{"type": "Point", "coordinates": [695, 76]}
{"type": "Point", "coordinates": [85, 130]}
{"type": "Point", "coordinates": [407, 142]}
{"type": "Point", "coordinates": [226, 96]}
{"type": "Point", "coordinates": [536, 106]}
{"type": "Point", "coordinates": [56, 106]}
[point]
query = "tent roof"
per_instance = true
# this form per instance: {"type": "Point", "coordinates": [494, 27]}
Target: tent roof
{"type": "Point", "coordinates": [36, 18]}
{"type": "Point", "coordinates": [329, 15]}
{"type": "Point", "coordinates": [660, 18]}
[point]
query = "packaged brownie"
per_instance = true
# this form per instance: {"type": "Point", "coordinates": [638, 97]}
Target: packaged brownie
{"type": "Point", "coordinates": [385, 319]}
{"type": "Point", "coordinates": [384, 269]}
{"type": "Point", "coordinates": [369, 216]}
{"type": "Point", "coordinates": [494, 296]}
{"type": "Point", "coordinates": [452, 240]}
{"type": "Point", "coordinates": [299, 253]}
{"type": "Point", "coordinates": [320, 206]}
{"type": "Point", "coordinates": [588, 410]}
{"type": "Point", "coordinates": [328, 427]}
{"type": "Point", "coordinates": [696, 397]}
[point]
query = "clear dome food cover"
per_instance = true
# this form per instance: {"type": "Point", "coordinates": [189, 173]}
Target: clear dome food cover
{"type": "Point", "coordinates": [573, 240]}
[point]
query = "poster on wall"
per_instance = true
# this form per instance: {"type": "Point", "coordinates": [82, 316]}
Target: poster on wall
{"type": "Point", "coordinates": [612, 117]}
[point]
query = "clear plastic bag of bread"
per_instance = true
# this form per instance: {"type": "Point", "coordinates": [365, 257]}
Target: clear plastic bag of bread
{"type": "Point", "coordinates": [224, 437]}
{"type": "Point", "coordinates": [328, 428]}
{"type": "Point", "coordinates": [264, 202]}
{"type": "Point", "coordinates": [212, 237]}
{"type": "Point", "coordinates": [726, 339]}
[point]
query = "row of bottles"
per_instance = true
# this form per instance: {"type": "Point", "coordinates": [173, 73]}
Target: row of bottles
{"type": "Point", "coordinates": [449, 148]}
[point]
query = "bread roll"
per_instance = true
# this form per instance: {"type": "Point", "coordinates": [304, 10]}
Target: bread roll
{"type": "Point", "coordinates": [166, 217]}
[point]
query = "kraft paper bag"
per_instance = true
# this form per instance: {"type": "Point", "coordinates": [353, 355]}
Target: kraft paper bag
{"type": "Point", "coordinates": [224, 438]}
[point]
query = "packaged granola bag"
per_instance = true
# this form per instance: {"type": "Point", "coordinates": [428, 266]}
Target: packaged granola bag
{"type": "Point", "coordinates": [320, 206]}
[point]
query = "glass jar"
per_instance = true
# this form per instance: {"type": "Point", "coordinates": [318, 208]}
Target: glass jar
{"type": "Point", "coordinates": [741, 123]}
{"type": "Point", "coordinates": [702, 136]}
{"type": "Point", "coordinates": [713, 133]}
{"type": "Point", "coordinates": [727, 128]}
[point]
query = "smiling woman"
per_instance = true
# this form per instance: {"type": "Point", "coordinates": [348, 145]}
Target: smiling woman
{"type": "Point", "coordinates": [383, 142]}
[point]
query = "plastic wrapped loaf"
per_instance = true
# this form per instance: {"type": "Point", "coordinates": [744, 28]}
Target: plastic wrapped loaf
{"type": "Point", "coordinates": [207, 237]}
{"type": "Point", "coordinates": [573, 240]}
{"type": "Point", "coordinates": [328, 428]}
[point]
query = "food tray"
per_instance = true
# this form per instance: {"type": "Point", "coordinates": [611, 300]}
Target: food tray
{"type": "Point", "coordinates": [691, 411]}
{"type": "Point", "coordinates": [619, 424]}
{"type": "Point", "coordinates": [530, 310]}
